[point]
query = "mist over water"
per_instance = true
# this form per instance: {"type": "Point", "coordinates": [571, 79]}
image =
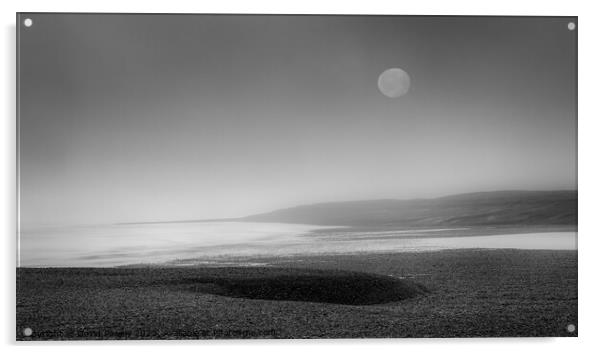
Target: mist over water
{"type": "Point", "coordinates": [197, 242]}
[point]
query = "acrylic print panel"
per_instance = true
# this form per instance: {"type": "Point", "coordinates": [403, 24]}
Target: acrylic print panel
{"type": "Point", "coordinates": [254, 176]}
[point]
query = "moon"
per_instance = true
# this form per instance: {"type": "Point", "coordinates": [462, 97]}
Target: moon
{"type": "Point", "coordinates": [394, 82]}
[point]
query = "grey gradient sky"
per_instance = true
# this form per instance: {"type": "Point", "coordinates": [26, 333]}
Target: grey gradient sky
{"type": "Point", "coordinates": [166, 117]}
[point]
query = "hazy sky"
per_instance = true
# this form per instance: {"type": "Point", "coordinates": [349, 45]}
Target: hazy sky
{"type": "Point", "coordinates": [139, 118]}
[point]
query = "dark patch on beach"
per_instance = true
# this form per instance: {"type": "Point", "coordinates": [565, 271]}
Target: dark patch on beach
{"type": "Point", "coordinates": [329, 287]}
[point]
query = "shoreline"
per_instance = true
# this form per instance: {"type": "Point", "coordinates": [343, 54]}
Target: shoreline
{"type": "Point", "coordinates": [324, 242]}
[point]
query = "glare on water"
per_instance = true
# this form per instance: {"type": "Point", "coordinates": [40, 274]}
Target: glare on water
{"type": "Point", "coordinates": [112, 245]}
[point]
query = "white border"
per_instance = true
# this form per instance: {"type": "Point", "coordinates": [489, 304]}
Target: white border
{"type": "Point", "coordinates": [590, 176]}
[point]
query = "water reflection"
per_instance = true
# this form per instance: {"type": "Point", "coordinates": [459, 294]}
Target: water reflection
{"type": "Point", "coordinates": [112, 245]}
